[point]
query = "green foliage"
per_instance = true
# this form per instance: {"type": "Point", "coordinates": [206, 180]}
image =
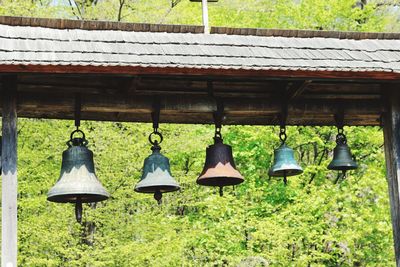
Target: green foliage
{"type": "Point", "coordinates": [317, 220]}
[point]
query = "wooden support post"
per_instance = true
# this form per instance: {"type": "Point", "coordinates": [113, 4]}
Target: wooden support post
{"type": "Point", "coordinates": [9, 173]}
{"type": "Point", "coordinates": [392, 154]}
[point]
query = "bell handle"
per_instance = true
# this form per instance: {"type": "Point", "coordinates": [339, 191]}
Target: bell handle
{"type": "Point", "coordinates": [84, 141]}
{"type": "Point", "coordinates": [78, 131]}
{"type": "Point", "coordinates": [218, 137]}
{"type": "Point", "coordinates": [155, 142]}
{"type": "Point", "coordinates": [341, 138]}
{"type": "Point", "coordinates": [282, 135]}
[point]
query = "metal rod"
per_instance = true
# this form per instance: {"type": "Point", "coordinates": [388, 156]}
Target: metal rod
{"type": "Point", "coordinates": [204, 6]}
{"type": "Point", "coordinates": [78, 107]}
{"type": "Point", "coordinates": [339, 119]}
{"type": "Point", "coordinates": [155, 114]}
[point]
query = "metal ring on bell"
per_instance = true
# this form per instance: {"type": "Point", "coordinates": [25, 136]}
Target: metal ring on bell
{"type": "Point", "coordinates": [155, 142]}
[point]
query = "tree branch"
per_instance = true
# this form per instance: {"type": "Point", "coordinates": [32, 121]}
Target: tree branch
{"type": "Point", "coordinates": [73, 10]}
{"type": "Point", "coordinates": [121, 6]}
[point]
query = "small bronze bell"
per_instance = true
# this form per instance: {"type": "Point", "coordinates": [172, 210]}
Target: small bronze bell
{"type": "Point", "coordinates": [285, 163]}
{"type": "Point", "coordinates": [342, 158]}
{"type": "Point", "coordinates": [78, 182]}
{"type": "Point", "coordinates": [156, 178]}
{"type": "Point", "coordinates": [219, 168]}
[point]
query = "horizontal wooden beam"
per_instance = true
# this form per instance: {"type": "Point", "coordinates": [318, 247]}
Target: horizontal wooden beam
{"type": "Point", "coordinates": [198, 109]}
{"type": "Point", "coordinates": [210, 72]}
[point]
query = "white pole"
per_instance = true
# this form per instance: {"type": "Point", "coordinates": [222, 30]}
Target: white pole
{"type": "Point", "coordinates": [204, 6]}
{"type": "Point", "coordinates": [9, 173]}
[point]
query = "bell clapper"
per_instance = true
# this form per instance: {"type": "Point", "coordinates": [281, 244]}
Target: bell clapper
{"type": "Point", "coordinates": [158, 197]}
{"type": "Point", "coordinates": [221, 191]}
{"type": "Point", "coordinates": [78, 210]}
{"type": "Point", "coordinates": [284, 179]}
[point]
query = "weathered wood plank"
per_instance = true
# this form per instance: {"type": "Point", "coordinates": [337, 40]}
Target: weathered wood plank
{"type": "Point", "coordinates": [139, 70]}
{"type": "Point", "coordinates": [9, 173]}
{"type": "Point", "coordinates": [98, 25]}
{"type": "Point", "coordinates": [206, 118]}
{"type": "Point", "coordinates": [197, 110]}
{"type": "Point", "coordinates": [296, 89]}
{"type": "Point", "coordinates": [189, 104]}
{"type": "Point", "coordinates": [392, 155]}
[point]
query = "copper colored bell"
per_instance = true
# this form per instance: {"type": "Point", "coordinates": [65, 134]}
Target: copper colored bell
{"type": "Point", "coordinates": [219, 168]}
{"type": "Point", "coordinates": [78, 182]}
{"type": "Point", "coordinates": [156, 178]}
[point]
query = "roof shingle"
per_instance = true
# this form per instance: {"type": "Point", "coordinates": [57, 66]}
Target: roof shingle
{"type": "Point", "coordinates": [26, 45]}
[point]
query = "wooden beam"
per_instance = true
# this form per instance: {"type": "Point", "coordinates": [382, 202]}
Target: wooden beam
{"type": "Point", "coordinates": [392, 154]}
{"type": "Point", "coordinates": [9, 173]}
{"type": "Point", "coordinates": [190, 104]}
{"type": "Point", "coordinates": [296, 89]}
{"type": "Point", "coordinates": [210, 72]}
{"type": "Point", "coordinates": [197, 109]}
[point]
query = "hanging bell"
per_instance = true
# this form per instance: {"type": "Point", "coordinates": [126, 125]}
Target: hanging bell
{"type": "Point", "coordinates": [78, 182]}
{"type": "Point", "coordinates": [156, 178]}
{"type": "Point", "coordinates": [342, 158]}
{"type": "Point", "coordinates": [285, 163]}
{"type": "Point", "coordinates": [219, 168]}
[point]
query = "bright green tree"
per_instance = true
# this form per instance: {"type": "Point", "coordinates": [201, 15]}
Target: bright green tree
{"type": "Point", "coordinates": [317, 220]}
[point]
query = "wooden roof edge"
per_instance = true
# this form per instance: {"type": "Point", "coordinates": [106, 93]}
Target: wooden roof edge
{"type": "Point", "coordinates": [175, 28]}
{"type": "Point", "coordinates": [177, 71]}
{"type": "Point", "coordinates": [306, 33]}
{"type": "Point", "coordinates": [98, 25]}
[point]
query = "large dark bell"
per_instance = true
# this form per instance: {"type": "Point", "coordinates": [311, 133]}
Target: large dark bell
{"type": "Point", "coordinates": [219, 168]}
{"type": "Point", "coordinates": [156, 177]}
{"type": "Point", "coordinates": [78, 182]}
{"type": "Point", "coordinates": [284, 163]}
{"type": "Point", "coordinates": [342, 159]}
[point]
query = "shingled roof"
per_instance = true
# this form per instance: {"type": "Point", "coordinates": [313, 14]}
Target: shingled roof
{"type": "Point", "coordinates": [115, 45]}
